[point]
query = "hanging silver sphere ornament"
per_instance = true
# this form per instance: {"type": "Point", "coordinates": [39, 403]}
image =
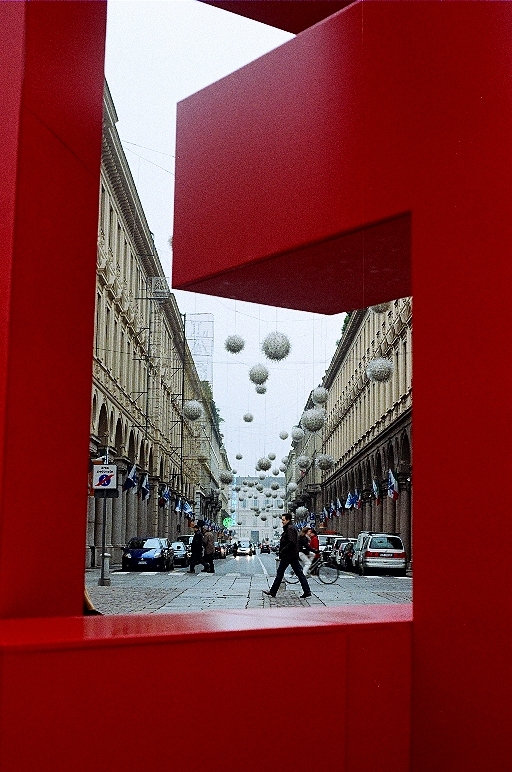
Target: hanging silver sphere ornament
{"type": "Point", "coordinates": [282, 467]}
{"type": "Point", "coordinates": [297, 433]}
{"type": "Point", "coordinates": [319, 395]}
{"type": "Point", "coordinates": [237, 488]}
{"type": "Point", "coordinates": [258, 374]}
{"type": "Point", "coordinates": [239, 522]}
{"type": "Point", "coordinates": [274, 495]}
{"type": "Point", "coordinates": [284, 460]}
{"type": "Point", "coordinates": [276, 346]}
{"type": "Point", "coordinates": [303, 462]}
{"type": "Point", "coordinates": [267, 492]}
{"type": "Point", "coordinates": [234, 344]}
{"type": "Point", "coordinates": [234, 471]}
{"type": "Point", "coordinates": [380, 370]}
{"type": "Point", "coordinates": [263, 517]}
{"type": "Point", "coordinates": [275, 471]}
{"type": "Point", "coordinates": [324, 461]}
{"type": "Point", "coordinates": [232, 510]}
{"type": "Point", "coordinates": [301, 512]}
{"type": "Point", "coordinates": [259, 487]}
{"type": "Point", "coordinates": [248, 417]}
{"type": "Point", "coordinates": [283, 435]}
{"type": "Point", "coordinates": [261, 389]}
{"type": "Point", "coordinates": [250, 483]}
{"type": "Point", "coordinates": [262, 475]}
{"type": "Point", "coordinates": [192, 409]}
{"type": "Point", "coordinates": [271, 456]}
{"type": "Point", "coordinates": [292, 486]}
{"type": "Point", "coordinates": [312, 419]}
{"type": "Point", "coordinates": [274, 486]}
{"type": "Point", "coordinates": [264, 463]}
{"type": "Point", "coordinates": [238, 456]}
{"type": "Point", "coordinates": [279, 506]}
{"type": "Point", "coordinates": [226, 477]}
{"type": "Point", "coordinates": [380, 308]}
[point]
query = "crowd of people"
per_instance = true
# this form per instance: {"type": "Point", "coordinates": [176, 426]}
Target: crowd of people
{"type": "Point", "coordinates": [202, 548]}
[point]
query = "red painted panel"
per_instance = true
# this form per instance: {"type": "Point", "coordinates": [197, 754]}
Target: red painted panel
{"type": "Point", "coordinates": [291, 15]}
{"type": "Point", "coordinates": [51, 235]}
{"type": "Point", "coordinates": [246, 677]}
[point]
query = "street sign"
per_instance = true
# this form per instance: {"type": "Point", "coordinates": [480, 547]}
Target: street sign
{"type": "Point", "coordinates": [104, 477]}
{"type": "Point", "coordinates": [227, 522]}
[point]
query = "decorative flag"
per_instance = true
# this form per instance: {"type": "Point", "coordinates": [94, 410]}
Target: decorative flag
{"type": "Point", "coordinates": [144, 488]}
{"type": "Point", "coordinates": [164, 497]}
{"type": "Point", "coordinates": [392, 486]}
{"type": "Point", "coordinates": [187, 509]}
{"type": "Point", "coordinates": [177, 508]}
{"type": "Point", "coordinates": [339, 508]}
{"type": "Point", "coordinates": [332, 510]}
{"type": "Point", "coordinates": [349, 501]}
{"type": "Point", "coordinates": [324, 512]}
{"type": "Point", "coordinates": [358, 502]}
{"type": "Point", "coordinates": [376, 491]}
{"type": "Point", "coordinates": [131, 479]}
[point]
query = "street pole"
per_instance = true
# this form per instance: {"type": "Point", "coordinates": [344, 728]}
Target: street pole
{"type": "Point", "coordinates": [103, 580]}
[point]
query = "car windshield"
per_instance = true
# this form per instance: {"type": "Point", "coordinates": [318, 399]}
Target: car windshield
{"type": "Point", "coordinates": [325, 540]}
{"type": "Point", "coordinates": [151, 544]}
{"type": "Point", "coordinates": [244, 544]}
{"type": "Point", "coordinates": [178, 545]}
{"type": "Point", "coordinates": [386, 543]}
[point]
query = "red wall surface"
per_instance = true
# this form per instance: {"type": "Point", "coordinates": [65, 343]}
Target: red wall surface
{"type": "Point", "coordinates": [403, 137]}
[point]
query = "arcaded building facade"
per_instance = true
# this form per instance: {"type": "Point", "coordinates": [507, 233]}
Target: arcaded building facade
{"type": "Point", "coordinates": [143, 373]}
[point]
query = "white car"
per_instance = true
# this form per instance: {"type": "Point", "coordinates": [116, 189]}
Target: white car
{"type": "Point", "coordinates": [180, 553]}
{"type": "Point", "coordinates": [244, 548]}
{"type": "Point", "coordinates": [382, 553]}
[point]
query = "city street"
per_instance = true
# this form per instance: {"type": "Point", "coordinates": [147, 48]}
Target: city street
{"type": "Point", "coordinates": [237, 583]}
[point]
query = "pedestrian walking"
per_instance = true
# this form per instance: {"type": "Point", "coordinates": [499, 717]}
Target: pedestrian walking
{"type": "Point", "coordinates": [314, 548]}
{"type": "Point", "coordinates": [196, 548]}
{"type": "Point", "coordinates": [209, 549]}
{"type": "Point", "coordinates": [305, 554]}
{"type": "Point", "coordinates": [289, 556]}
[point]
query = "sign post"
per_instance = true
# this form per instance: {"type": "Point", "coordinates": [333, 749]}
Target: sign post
{"type": "Point", "coordinates": [104, 483]}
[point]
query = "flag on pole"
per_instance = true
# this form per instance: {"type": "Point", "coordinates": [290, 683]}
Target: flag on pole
{"type": "Point", "coordinates": [358, 502]}
{"type": "Point", "coordinates": [392, 486]}
{"type": "Point", "coordinates": [177, 508]}
{"type": "Point", "coordinates": [131, 479]}
{"type": "Point", "coordinates": [144, 488]}
{"type": "Point", "coordinates": [376, 491]}
{"type": "Point", "coordinates": [349, 501]}
{"type": "Point", "coordinates": [332, 510]}
{"type": "Point", "coordinates": [339, 508]}
{"type": "Point", "coordinates": [186, 508]}
{"type": "Point", "coordinates": [165, 495]}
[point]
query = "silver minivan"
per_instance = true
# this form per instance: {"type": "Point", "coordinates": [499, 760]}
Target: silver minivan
{"type": "Point", "coordinates": [380, 553]}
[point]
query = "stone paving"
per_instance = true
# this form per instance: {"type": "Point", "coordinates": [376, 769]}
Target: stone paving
{"type": "Point", "coordinates": [178, 591]}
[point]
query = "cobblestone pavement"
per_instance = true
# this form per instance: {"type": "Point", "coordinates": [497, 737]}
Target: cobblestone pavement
{"type": "Point", "coordinates": [178, 591]}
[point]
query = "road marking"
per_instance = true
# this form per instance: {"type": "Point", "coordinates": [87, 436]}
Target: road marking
{"type": "Point", "coordinates": [261, 564]}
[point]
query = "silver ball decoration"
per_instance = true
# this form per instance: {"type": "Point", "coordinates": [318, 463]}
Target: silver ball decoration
{"type": "Point", "coordinates": [301, 512]}
{"type": "Point", "coordinates": [263, 517]}
{"type": "Point", "coordinates": [380, 370]}
{"type": "Point", "coordinates": [267, 492]}
{"type": "Point", "coordinates": [192, 410]}
{"type": "Point", "coordinates": [297, 433]}
{"type": "Point", "coordinates": [292, 486]}
{"type": "Point", "coordinates": [226, 477]}
{"type": "Point", "coordinates": [274, 495]}
{"type": "Point", "coordinates": [303, 462]}
{"type": "Point", "coordinates": [259, 487]}
{"type": "Point", "coordinates": [274, 486]}
{"type": "Point", "coordinates": [276, 346]}
{"type": "Point", "coordinates": [258, 374]}
{"type": "Point", "coordinates": [237, 488]}
{"type": "Point", "coordinates": [283, 435]}
{"type": "Point", "coordinates": [275, 471]}
{"type": "Point", "coordinates": [239, 522]}
{"type": "Point", "coordinates": [250, 483]}
{"type": "Point", "coordinates": [282, 467]}
{"type": "Point", "coordinates": [312, 419]}
{"type": "Point", "coordinates": [284, 460]}
{"type": "Point", "coordinates": [279, 506]}
{"type": "Point", "coordinates": [234, 471]}
{"type": "Point", "coordinates": [238, 456]}
{"type": "Point", "coordinates": [380, 308]}
{"type": "Point", "coordinates": [232, 510]}
{"type": "Point", "coordinates": [324, 461]}
{"type": "Point", "coordinates": [261, 389]}
{"type": "Point", "coordinates": [271, 456]}
{"type": "Point", "coordinates": [262, 475]}
{"type": "Point", "coordinates": [264, 463]}
{"type": "Point", "coordinates": [248, 417]}
{"type": "Point", "coordinates": [234, 344]}
{"type": "Point", "coordinates": [319, 395]}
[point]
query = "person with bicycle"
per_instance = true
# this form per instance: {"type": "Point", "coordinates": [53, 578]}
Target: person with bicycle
{"type": "Point", "coordinates": [305, 553]}
{"type": "Point", "coordinates": [289, 556]}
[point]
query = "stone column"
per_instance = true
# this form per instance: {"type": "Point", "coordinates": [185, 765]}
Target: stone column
{"type": "Point", "coordinates": [153, 508]}
{"type": "Point", "coordinates": [117, 532]}
{"type": "Point", "coordinates": [358, 519]}
{"type": "Point", "coordinates": [131, 514]}
{"type": "Point", "coordinates": [404, 513]}
{"type": "Point", "coordinates": [89, 542]}
{"type": "Point", "coordinates": [351, 521]}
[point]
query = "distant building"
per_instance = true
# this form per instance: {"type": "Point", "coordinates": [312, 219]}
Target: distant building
{"type": "Point", "coordinates": [257, 507]}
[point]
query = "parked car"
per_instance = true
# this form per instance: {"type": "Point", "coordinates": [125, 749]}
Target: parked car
{"type": "Point", "coordinates": [180, 553]}
{"type": "Point", "coordinates": [382, 553]}
{"type": "Point", "coordinates": [337, 546]}
{"type": "Point", "coordinates": [220, 550]}
{"type": "Point", "coordinates": [147, 553]}
{"type": "Point", "coordinates": [187, 541]}
{"type": "Point", "coordinates": [245, 548]}
{"type": "Point", "coordinates": [346, 560]}
{"type": "Point", "coordinates": [265, 548]}
{"type": "Point", "coordinates": [326, 543]}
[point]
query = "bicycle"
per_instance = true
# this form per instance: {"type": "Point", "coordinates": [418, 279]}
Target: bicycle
{"type": "Point", "coordinates": [319, 568]}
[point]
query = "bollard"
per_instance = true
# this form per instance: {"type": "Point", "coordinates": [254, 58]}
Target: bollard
{"type": "Point", "coordinates": [104, 580]}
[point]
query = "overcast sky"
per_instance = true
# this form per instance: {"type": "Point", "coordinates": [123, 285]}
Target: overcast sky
{"type": "Point", "coordinates": [158, 53]}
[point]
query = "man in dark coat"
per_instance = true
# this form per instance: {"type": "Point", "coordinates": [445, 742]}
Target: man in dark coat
{"type": "Point", "coordinates": [196, 548]}
{"type": "Point", "coordinates": [289, 556]}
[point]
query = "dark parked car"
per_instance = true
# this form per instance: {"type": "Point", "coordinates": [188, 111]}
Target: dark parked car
{"type": "Point", "coordinates": [148, 553]}
{"type": "Point", "coordinates": [181, 555]}
{"type": "Point", "coordinates": [265, 548]}
{"type": "Point", "coordinates": [220, 550]}
{"type": "Point", "coordinates": [346, 560]}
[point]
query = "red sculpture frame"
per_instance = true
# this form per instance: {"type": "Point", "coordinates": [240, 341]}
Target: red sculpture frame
{"type": "Point", "coordinates": [430, 91]}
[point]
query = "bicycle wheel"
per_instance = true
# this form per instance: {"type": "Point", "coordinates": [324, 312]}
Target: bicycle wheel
{"type": "Point", "coordinates": [290, 576]}
{"type": "Point", "coordinates": [327, 574]}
